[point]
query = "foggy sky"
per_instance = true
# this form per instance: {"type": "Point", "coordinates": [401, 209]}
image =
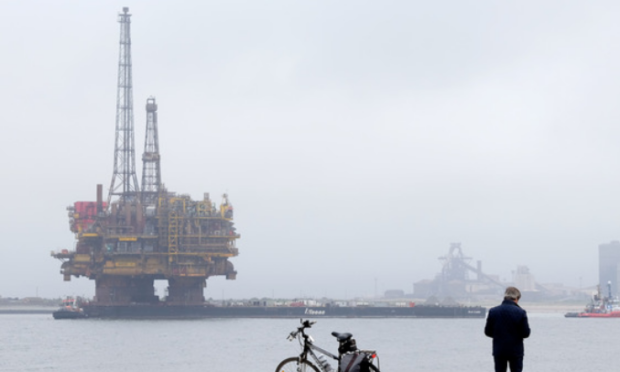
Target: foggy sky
{"type": "Point", "coordinates": [356, 139]}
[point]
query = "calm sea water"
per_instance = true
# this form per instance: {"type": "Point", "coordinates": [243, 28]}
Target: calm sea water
{"type": "Point", "coordinates": [39, 343]}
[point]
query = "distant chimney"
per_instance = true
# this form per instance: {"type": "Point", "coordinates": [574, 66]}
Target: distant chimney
{"type": "Point", "coordinates": [99, 198]}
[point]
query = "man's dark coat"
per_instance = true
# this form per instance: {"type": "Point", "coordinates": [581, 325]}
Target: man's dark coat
{"type": "Point", "coordinates": [507, 324]}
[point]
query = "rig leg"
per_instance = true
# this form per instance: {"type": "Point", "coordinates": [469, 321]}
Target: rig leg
{"type": "Point", "coordinates": [121, 290]}
{"type": "Point", "coordinates": [186, 291]}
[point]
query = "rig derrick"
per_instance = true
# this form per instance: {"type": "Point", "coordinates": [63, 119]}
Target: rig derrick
{"type": "Point", "coordinates": [141, 235]}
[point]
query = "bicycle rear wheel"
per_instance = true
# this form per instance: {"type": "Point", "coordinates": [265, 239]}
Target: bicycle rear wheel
{"type": "Point", "coordinates": [293, 365]}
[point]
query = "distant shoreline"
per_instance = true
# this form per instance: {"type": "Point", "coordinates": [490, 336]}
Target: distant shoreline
{"type": "Point", "coordinates": [529, 307]}
{"type": "Point", "coordinates": [534, 308]}
{"type": "Point", "coordinates": [22, 310]}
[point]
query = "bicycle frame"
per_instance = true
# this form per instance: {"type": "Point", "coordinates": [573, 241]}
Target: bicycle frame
{"type": "Point", "coordinates": [311, 356]}
{"type": "Point", "coordinates": [312, 348]}
{"type": "Point", "coordinates": [308, 346]}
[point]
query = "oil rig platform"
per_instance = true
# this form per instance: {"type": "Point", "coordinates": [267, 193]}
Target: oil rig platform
{"type": "Point", "coordinates": [142, 233]}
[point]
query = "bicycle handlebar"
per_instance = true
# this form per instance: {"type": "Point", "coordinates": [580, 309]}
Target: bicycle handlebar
{"type": "Point", "coordinates": [304, 324]}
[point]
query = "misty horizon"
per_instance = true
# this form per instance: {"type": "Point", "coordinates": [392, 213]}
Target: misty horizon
{"type": "Point", "coordinates": [355, 140]}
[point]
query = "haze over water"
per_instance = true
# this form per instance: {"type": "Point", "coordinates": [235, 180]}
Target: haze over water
{"type": "Point", "coordinates": [38, 343]}
{"type": "Point", "coordinates": [359, 132]}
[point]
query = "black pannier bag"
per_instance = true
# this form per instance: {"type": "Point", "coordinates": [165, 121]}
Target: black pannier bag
{"type": "Point", "coordinates": [347, 346]}
{"type": "Point", "coordinates": [355, 362]}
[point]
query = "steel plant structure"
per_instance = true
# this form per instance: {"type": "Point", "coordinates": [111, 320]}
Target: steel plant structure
{"type": "Point", "coordinates": [142, 235]}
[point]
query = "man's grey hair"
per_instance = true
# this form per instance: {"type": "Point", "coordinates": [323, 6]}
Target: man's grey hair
{"type": "Point", "coordinates": [512, 293]}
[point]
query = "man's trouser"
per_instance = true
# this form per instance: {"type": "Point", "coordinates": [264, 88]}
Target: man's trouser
{"type": "Point", "coordinates": [501, 363]}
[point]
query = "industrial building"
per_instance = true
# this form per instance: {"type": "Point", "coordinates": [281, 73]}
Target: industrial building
{"type": "Point", "coordinates": [458, 278]}
{"type": "Point", "coordinates": [609, 266]}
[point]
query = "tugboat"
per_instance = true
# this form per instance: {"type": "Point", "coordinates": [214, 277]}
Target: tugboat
{"type": "Point", "coordinates": [600, 306]}
{"type": "Point", "coordinates": [69, 309]}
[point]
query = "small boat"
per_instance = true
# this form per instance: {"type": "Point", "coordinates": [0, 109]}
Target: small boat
{"type": "Point", "coordinates": [69, 309]}
{"type": "Point", "coordinates": [600, 306]}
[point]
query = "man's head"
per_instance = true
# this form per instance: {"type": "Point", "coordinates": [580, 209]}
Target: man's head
{"type": "Point", "coordinates": [512, 293]}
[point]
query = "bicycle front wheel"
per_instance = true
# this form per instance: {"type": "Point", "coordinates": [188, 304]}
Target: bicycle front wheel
{"type": "Point", "coordinates": [293, 365]}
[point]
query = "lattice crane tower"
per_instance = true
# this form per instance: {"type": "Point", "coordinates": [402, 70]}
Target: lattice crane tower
{"type": "Point", "coordinates": [124, 180]}
{"type": "Point", "coordinates": [151, 169]}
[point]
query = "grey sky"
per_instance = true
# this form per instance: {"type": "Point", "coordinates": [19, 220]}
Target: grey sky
{"type": "Point", "coordinates": [356, 139]}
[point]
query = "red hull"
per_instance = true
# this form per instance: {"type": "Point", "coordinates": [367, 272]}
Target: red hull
{"type": "Point", "coordinates": [613, 314]}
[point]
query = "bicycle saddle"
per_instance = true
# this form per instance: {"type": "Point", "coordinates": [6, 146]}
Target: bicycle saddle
{"type": "Point", "coordinates": [342, 337]}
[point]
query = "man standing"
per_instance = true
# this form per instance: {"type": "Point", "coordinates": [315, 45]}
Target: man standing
{"type": "Point", "coordinates": [507, 324]}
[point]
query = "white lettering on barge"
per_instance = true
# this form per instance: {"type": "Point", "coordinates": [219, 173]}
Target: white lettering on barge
{"type": "Point", "coordinates": [314, 312]}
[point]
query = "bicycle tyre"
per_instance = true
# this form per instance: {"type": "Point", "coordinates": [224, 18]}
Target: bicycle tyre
{"type": "Point", "coordinates": [291, 364]}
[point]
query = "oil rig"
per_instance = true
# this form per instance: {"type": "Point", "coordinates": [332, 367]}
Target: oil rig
{"type": "Point", "coordinates": [143, 233]}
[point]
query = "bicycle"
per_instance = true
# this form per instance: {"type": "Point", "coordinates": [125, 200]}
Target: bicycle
{"type": "Point", "coordinates": [349, 357]}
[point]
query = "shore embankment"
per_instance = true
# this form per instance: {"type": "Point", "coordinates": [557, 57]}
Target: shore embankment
{"type": "Point", "coordinates": [4, 310]}
{"type": "Point", "coordinates": [543, 307]}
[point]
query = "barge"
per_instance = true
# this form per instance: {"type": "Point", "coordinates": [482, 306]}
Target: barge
{"type": "Point", "coordinates": [141, 311]}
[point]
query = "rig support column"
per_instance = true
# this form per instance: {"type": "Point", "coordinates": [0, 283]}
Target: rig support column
{"type": "Point", "coordinates": [185, 291]}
